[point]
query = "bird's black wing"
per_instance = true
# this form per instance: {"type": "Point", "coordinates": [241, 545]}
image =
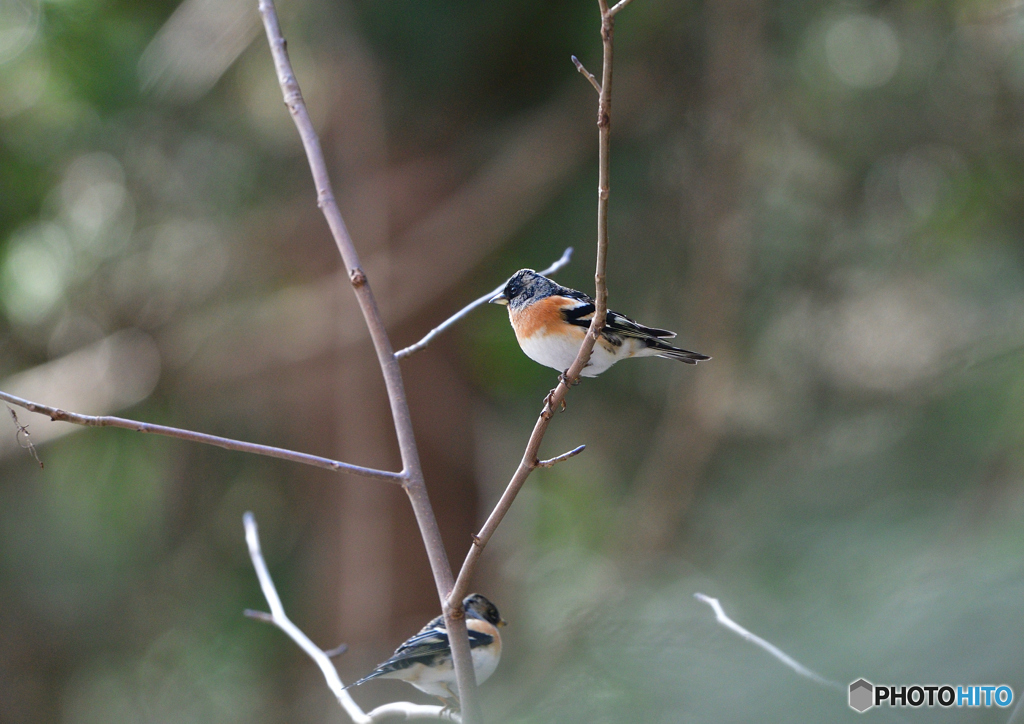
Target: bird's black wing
{"type": "Point", "coordinates": [435, 641]}
{"type": "Point", "coordinates": [426, 647]}
{"type": "Point", "coordinates": [615, 323]}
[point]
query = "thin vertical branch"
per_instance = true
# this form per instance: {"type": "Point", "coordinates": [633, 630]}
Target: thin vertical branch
{"type": "Point", "coordinates": [414, 485]}
{"type": "Point", "coordinates": [604, 127]}
{"type": "Point", "coordinates": [530, 461]}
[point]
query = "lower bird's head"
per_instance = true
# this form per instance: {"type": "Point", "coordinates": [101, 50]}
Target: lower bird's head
{"type": "Point", "coordinates": [479, 607]}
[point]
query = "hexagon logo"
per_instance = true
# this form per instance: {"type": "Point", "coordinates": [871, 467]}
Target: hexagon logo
{"type": "Point", "coordinates": [861, 695]}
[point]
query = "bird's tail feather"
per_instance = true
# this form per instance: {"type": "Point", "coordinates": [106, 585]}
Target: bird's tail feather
{"type": "Point", "coordinates": [372, 675]}
{"type": "Point", "coordinates": [683, 355]}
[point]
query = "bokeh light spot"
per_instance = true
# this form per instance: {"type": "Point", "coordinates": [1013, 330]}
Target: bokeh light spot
{"type": "Point", "coordinates": [862, 51]}
{"type": "Point", "coordinates": [35, 272]}
{"type": "Point", "coordinates": [19, 22]}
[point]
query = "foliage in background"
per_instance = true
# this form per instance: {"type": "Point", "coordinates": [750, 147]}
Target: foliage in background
{"type": "Point", "coordinates": [860, 502]}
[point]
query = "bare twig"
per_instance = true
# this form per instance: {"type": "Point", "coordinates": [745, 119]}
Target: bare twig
{"type": "Point", "coordinates": [586, 73]}
{"type": "Point", "coordinates": [414, 484]}
{"type": "Point", "coordinates": [403, 353]}
{"type": "Point", "coordinates": [278, 618]}
{"type": "Point", "coordinates": [564, 456]}
{"type": "Point", "coordinates": [259, 616]}
{"type": "Point", "coordinates": [58, 415]}
{"type": "Point", "coordinates": [336, 651]}
{"type": "Point", "coordinates": [21, 434]}
{"type": "Point", "coordinates": [761, 643]}
{"type": "Point", "coordinates": [1017, 715]}
{"type": "Point", "coordinates": [618, 6]}
{"type": "Point", "coordinates": [557, 396]}
{"type": "Point", "coordinates": [411, 712]}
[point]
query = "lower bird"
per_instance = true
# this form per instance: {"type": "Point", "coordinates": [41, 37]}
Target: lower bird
{"type": "Point", "coordinates": [550, 322]}
{"type": "Point", "coordinates": [425, 660]}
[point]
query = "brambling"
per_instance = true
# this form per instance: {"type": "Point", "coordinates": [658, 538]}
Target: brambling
{"type": "Point", "coordinates": [550, 322]}
{"type": "Point", "coordinates": [425, 660]}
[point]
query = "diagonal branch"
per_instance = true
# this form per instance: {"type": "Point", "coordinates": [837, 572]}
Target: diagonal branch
{"type": "Point", "coordinates": [1017, 715]}
{"type": "Point", "coordinates": [411, 349]}
{"type": "Point", "coordinates": [618, 6]}
{"type": "Point", "coordinates": [58, 415]}
{"type": "Point", "coordinates": [557, 396]}
{"type": "Point", "coordinates": [762, 644]}
{"type": "Point", "coordinates": [564, 456]}
{"type": "Point", "coordinates": [279, 618]}
{"type": "Point", "coordinates": [586, 74]}
{"type": "Point", "coordinates": [414, 486]}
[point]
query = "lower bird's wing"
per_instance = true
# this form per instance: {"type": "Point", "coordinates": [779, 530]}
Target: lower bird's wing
{"type": "Point", "coordinates": [425, 647]}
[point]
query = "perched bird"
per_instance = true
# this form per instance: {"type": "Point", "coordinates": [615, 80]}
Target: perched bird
{"type": "Point", "coordinates": [550, 322]}
{"type": "Point", "coordinates": [425, 660]}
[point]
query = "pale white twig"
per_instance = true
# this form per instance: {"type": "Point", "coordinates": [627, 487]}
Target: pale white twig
{"type": "Point", "coordinates": [409, 712]}
{"type": "Point", "coordinates": [1017, 715]}
{"type": "Point", "coordinates": [761, 643]}
{"type": "Point", "coordinates": [618, 6]}
{"type": "Point", "coordinates": [412, 348]}
{"type": "Point", "coordinates": [278, 618]}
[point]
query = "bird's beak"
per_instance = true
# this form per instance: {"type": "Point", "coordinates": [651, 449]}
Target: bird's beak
{"type": "Point", "coordinates": [503, 622]}
{"type": "Point", "coordinates": [499, 298]}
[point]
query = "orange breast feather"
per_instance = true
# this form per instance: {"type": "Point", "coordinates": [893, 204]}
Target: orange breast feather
{"type": "Point", "coordinates": [534, 318]}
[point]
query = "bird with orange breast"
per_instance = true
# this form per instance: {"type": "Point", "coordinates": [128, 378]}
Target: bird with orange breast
{"type": "Point", "coordinates": [550, 322]}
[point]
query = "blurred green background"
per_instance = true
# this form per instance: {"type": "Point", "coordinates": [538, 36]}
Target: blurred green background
{"type": "Point", "coordinates": [827, 197]}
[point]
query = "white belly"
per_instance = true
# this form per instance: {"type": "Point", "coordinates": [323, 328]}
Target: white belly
{"type": "Point", "coordinates": [437, 681]}
{"type": "Point", "coordinates": [559, 352]}
{"type": "Point", "coordinates": [485, 661]}
{"type": "Point", "coordinates": [440, 680]}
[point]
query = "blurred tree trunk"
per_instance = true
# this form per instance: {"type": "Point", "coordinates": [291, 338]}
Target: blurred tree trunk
{"type": "Point", "coordinates": [713, 287]}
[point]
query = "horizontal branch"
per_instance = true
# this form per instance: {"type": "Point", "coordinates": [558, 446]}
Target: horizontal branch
{"type": "Point", "coordinates": [403, 353]}
{"type": "Point", "coordinates": [58, 415]}
{"type": "Point", "coordinates": [761, 643]}
{"type": "Point", "coordinates": [277, 617]}
{"type": "Point", "coordinates": [564, 456]}
{"type": "Point", "coordinates": [409, 712]}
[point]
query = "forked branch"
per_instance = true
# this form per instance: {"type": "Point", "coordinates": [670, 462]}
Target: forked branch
{"type": "Point", "coordinates": [618, 6]}
{"type": "Point", "coordinates": [277, 617]}
{"type": "Point", "coordinates": [414, 484]}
